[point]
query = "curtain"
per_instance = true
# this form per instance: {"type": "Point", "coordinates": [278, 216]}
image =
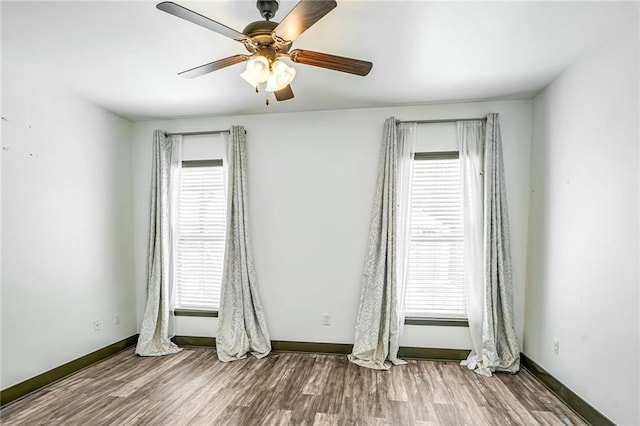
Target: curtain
{"type": "Point", "coordinates": [471, 145]}
{"type": "Point", "coordinates": [154, 339]}
{"type": "Point", "coordinates": [406, 149]}
{"type": "Point", "coordinates": [379, 320]}
{"type": "Point", "coordinates": [490, 295]}
{"type": "Point", "coordinates": [242, 326]}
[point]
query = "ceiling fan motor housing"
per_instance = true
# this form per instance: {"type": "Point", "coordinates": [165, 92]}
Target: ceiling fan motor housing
{"type": "Point", "coordinates": [267, 8]}
{"type": "Point", "coordinates": [260, 33]}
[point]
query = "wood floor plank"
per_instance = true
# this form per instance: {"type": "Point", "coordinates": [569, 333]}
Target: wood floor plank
{"type": "Point", "coordinates": [558, 409]}
{"type": "Point", "coordinates": [278, 417]}
{"type": "Point", "coordinates": [305, 409]}
{"type": "Point", "coordinates": [323, 419]}
{"type": "Point", "coordinates": [163, 367]}
{"type": "Point", "coordinates": [194, 388]}
{"type": "Point", "coordinates": [318, 377]}
{"type": "Point", "coordinates": [397, 391]}
{"type": "Point", "coordinates": [333, 391]}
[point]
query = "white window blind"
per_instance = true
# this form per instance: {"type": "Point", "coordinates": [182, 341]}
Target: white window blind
{"type": "Point", "coordinates": [201, 235]}
{"type": "Point", "coordinates": [435, 277]}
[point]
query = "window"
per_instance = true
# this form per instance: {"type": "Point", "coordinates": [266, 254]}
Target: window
{"type": "Point", "coordinates": [435, 276]}
{"type": "Point", "coordinates": [200, 235]}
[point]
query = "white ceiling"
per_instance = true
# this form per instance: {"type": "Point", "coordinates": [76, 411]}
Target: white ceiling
{"type": "Point", "coordinates": [125, 56]}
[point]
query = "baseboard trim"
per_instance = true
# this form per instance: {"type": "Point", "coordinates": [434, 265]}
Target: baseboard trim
{"type": "Point", "coordinates": [435, 354]}
{"type": "Point", "coordinates": [333, 348]}
{"type": "Point", "coordinates": [577, 404]}
{"type": "Point", "coordinates": [311, 347]}
{"type": "Point", "coordinates": [194, 341]}
{"type": "Point", "coordinates": [22, 389]}
{"type": "Point", "coordinates": [276, 345]}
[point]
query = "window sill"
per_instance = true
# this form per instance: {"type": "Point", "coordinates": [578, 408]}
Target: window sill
{"type": "Point", "coordinates": [442, 322]}
{"type": "Point", "coordinates": [195, 313]}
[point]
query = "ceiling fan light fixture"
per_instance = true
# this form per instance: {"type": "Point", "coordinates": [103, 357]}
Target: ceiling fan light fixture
{"type": "Point", "coordinates": [267, 40]}
{"type": "Point", "coordinates": [281, 76]}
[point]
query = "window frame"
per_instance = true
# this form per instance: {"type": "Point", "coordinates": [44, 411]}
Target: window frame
{"type": "Point", "coordinates": [196, 312]}
{"type": "Point", "coordinates": [426, 320]}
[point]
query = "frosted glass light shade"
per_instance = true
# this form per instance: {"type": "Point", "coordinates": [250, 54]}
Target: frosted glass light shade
{"type": "Point", "coordinates": [258, 69]}
{"type": "Point", "coordinates": [281, 76]}
{"type": "Point", "coordinates": [249, 79]}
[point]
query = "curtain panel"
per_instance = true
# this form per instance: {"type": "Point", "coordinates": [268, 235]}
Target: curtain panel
{"type": "Point", "coordinates": [488, 260]}
{"type": "Point", "coordinates": [380, 316]}
{"type": "Point", "coordinates": [242, 327]}
{"type": "Point", "coordinates": [471, 145]}
{"type": "Point", "coordinates": [156, 329]}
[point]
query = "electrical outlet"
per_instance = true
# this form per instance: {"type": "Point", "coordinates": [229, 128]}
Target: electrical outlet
{"type": "Point", "coordinates": [556, 347]}
{"type": "Point", "coordinates": [97, 325]}
{"type": "Point", "coordinates": [116, 319]}
{"type": "Point", "coordinates": [326, 319]}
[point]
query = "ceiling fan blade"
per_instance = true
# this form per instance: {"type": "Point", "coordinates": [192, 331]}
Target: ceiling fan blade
{"type": "Point", "coordinates": [332, 62]}
{"type": "Point", "coordinates": [213, 66]}
{"type": "Point", "coordinates": [302, 16]}
{"type": "Point", "coordinates": [284, 94]}
{"type": "Point", "coordinates": [203, 21]}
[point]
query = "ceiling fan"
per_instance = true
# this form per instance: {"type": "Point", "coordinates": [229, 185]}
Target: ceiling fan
{"type": "Point", "coordinates": [267, 42]}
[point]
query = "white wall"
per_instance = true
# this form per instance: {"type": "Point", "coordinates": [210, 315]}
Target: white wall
{"type": "Point", "coordinates": [66, 227]}
{"type": "Point", "coordinates": [311, 181]}
{"type": "Point", "coordinates": [583, 257]}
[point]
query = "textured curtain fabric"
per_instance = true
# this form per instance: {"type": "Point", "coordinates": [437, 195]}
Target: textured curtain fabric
{"type": "Point", "coordinates": [154, 339]}
{"type": "Point", "coordinates": [498, 347]}
{"type": "Point", "coordinates": [378, 324]}
{"type": "Point", "coordinates": [406, 149]}
{"type": "Point", "coordinates": [242, 327]}
{"type": "Point", "coordinates": [471, 144]}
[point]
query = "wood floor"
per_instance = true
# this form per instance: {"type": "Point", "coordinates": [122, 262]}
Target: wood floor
{"type": "Point", "coordinates": [194, 388]}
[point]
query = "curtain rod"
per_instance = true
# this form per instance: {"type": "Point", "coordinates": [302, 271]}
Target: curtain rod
{"type": "Point", "coordinates": [446, 120]}
{"type": "Point", "coordinates": [208, 132]}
